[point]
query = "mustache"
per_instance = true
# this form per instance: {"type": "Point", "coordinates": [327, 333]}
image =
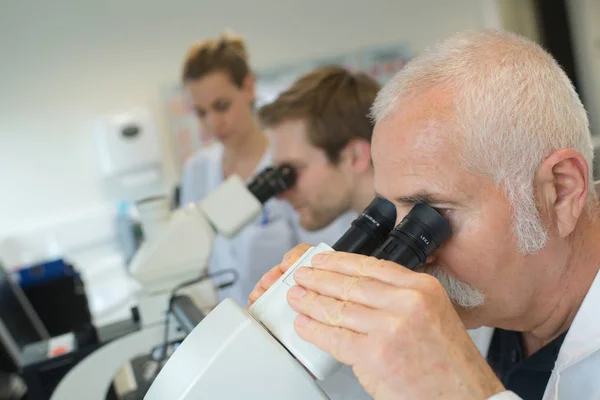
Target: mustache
{"type": "Point", "coordinates": [460, 293]}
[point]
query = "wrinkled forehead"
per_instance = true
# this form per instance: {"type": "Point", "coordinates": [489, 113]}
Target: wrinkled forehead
{"type": "Point", "coordinates": [415, 148]}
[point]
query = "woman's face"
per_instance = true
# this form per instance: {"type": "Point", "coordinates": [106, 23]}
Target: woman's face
{"type": "Point", "coordinates": [224, 110]}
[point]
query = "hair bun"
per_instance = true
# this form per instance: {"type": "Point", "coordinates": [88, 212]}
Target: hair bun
{"type": "Point", "coordinates": [234, 42]}
{"type": "Point", "coordinates": [225, 53]}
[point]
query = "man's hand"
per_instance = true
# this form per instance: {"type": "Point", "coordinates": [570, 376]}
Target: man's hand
{"type": "Point", "coordinates": [396, 328]}
{"type": "Point", "coordinates": [275, 273]}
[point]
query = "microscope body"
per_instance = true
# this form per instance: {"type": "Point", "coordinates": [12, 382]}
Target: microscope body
{"type": "Point", "coordinates": [180, 244]}
{"type": "Point", "coordinates": [259, 347]}
{"type": "Point", "coordinates": [230, 355]}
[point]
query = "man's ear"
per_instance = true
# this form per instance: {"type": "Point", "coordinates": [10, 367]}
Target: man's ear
{"type": "Point", "coordinates": [358, 154]}
{"type": "Point", "coordinates": [563, 183]}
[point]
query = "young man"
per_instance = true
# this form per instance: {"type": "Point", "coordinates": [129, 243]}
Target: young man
{"type": "Point", "coordinates": [321, 127]}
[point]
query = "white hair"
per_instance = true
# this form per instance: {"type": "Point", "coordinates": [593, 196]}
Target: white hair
{"type": "Point", "coordinates": [513, 107]}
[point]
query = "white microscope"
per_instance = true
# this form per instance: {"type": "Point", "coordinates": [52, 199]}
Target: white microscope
{"type": "Point", "coordinates": [179, 244]}
{"type": "Point", "coordinates": [256, 354]}
{"type": "Point", "coordinates": [176, 251]}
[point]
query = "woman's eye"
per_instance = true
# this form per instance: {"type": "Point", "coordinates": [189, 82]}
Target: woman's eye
{"type": "Point", "coordinates": [222, 106]}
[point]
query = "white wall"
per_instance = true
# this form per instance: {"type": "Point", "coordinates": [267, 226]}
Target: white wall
{"type": "Point", "coordinates": [64, 61]}
{"type": "Point", "coordinates": [585, 29]}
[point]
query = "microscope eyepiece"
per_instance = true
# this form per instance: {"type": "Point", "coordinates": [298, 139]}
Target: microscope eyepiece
{"type": "Point", "coordinates": [271, 182]}
{"type": "Point", "coordinates": [421, 232]}
{"type": "Point", "coordinates": [369, 229]}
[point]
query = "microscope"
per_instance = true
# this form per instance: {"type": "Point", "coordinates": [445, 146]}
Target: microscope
{"type": "Point", "coordinates": [234, 353]}
{"type": "Point", "coordinates": [174, 254]}
{"type": "Point", "coordinates": [178, 245]}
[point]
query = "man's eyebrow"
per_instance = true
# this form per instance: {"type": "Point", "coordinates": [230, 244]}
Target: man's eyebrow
{"type": "Point", "coordinates": [421, 197]}
{"type": "Point", "coordinates": [295, 163]}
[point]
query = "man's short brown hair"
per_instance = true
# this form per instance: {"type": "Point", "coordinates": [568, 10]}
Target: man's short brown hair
{"type": "Point", "coordinates": [335, 104]}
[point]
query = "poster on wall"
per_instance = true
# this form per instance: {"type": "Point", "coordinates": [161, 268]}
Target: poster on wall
{"type": "Point", "coordinates": [350, 61]}
{"type": "Point", "coordinates": [272, 81]}
{"type": "Point", "coordinates": [382, 63]}
{"type": "Point", "coordinates": [186, 134]}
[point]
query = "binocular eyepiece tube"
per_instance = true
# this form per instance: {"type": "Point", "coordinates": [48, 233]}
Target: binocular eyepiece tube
{"type": "Point", "coordinates": [271, 182]}
{"type": "Point", "coordinates": [409, 244]}
{"type": "Point", "coordinates": [415, 238]}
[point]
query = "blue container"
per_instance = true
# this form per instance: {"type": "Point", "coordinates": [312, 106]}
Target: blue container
{"type": "Point", "coordinates": [44, 273]}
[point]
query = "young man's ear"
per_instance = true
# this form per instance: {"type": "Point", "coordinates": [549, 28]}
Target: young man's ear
{"type": "Point", "coordinates": [358, 153]}
{"type": "Point", "coordinates": [563, 182]}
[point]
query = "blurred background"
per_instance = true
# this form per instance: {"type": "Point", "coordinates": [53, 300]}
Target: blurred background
{"type": "Point", "coordinates": [72, 71]}
{"type": "Point", "coordinates": [66, 62]}
{"type": "Point", "coordinates": [68, 67]}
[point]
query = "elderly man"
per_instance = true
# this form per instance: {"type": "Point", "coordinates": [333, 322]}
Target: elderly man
{"type": "Point", "coordinates": [487, 128]}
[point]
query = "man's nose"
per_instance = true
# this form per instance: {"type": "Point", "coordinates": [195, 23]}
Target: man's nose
{"type": "Point", "coordinates": [285, 195]}
{"type": "Point", "coordinates": [400, 214]}
{"type": "Point", "coordinates": [431, 260]}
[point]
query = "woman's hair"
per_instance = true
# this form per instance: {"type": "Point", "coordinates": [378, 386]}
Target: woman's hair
{"type": "Point", "coordinates": [226, 54]}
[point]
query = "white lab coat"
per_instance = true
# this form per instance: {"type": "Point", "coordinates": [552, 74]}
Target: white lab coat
{"type": "Point", "coordinates": [257, 247]}
{"type": "Point", "coordinates": [576, 374]}
{"type": "Point", "coordinates": [330, 234]}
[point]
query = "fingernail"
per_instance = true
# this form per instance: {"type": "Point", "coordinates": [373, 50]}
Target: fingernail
{"type": "Point", "coordinates": [319, 258]}
{"type": "Point", "coordinates": [297, 292]}
{"type": "Point", "coordinates": [302, 273]}
{"type": "Point", "coordinates": [302, 320]}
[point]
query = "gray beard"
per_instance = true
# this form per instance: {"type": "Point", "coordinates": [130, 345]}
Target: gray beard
{"type": "Point", "coordinates": [459, 292]}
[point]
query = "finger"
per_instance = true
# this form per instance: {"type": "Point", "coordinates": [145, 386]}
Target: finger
{"type": "Point", "coordinates": [361, 290]}
{"type": "Point", "coordinates": [363, 266]}
{"type": "Point", "coordinates": [289, 259]}
{"type": "Point", "coordinates": [343, 344]}
{"type": "Point", "coordinates": [333, 312]}
{"type": "Point", "coordinates": [255, 294]}
{"type": "Point", "coordinates": [268, 279]}
{"type": "Point", "coordinates": [293, 255]}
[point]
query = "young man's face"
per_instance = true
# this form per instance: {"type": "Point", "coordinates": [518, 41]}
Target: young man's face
{"type": "Point", "coordinates": [323, 190]}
